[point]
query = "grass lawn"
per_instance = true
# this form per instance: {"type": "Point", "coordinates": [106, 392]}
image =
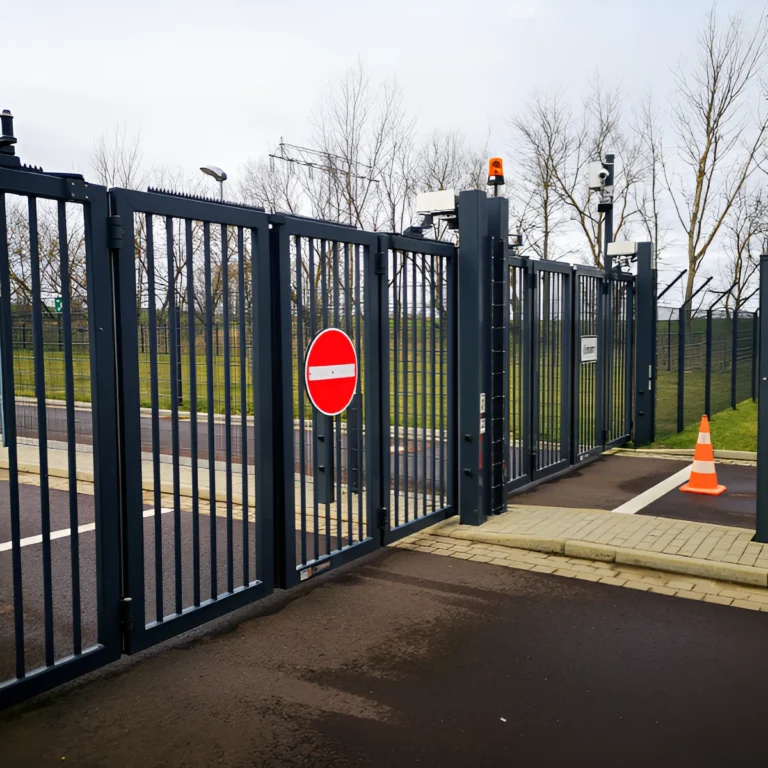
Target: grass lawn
{"type": "Point", "coordinates": [731, 431]}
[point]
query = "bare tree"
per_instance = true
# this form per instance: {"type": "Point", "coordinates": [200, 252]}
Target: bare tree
{"type": "Point", "coordinates": [117, 160]}
{"type": "Point", "coordinates": [538, 146]}
{"type": "Point", "coordinates": [273, 185]}
{"type": "Point", "coordinates": [744, 227]}
{"type": "Point", "coordinates": [720, 140]}
{"type": "Point", "coordinates": [648, 194]}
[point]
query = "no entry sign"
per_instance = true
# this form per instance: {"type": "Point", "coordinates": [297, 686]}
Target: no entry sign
{"type": "Point", "coordinates": [330, 371]}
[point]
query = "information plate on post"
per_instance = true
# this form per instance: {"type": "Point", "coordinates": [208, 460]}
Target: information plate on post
{"type": "Point", "coordinates": [589, 349]}
{"type": "Point", "coordinates": [330, 371]}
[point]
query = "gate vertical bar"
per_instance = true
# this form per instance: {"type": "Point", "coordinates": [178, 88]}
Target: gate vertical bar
{"type": "Point", "coordinates": [629, 336]}
{"type": "Point", "coordinates": [9, 398]}
{"type": "Point", "coordinates": [285, 522]}
{"type": "Point", "coordinates": [708, 367]}
{"type": "Point", "coordinates": [734, 356]}
{"type": "Point", "coordinates": [474, 347]}
{"type": "Point", "coordinates": [106, 447]}
{"type": "Point", "coordinates": [681, 367]}
{"type": "Point", "coordinates": [382, 441]}
{"type": "Point", "coordinates": [129, 427]}
{"type": "Point", "coordinates": [761, 523]}
{"type": "Point", "coordinates": [645, 355]}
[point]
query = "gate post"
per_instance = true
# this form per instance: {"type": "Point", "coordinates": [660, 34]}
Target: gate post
{"type": "Point", "coordinates": [761, 523]}
{"type": "Point", "coordinates": [474, 357]}
{"type": "Point", "coordinates": [645, 335]}
{"type": "Point", "coordinates": [498, 298]}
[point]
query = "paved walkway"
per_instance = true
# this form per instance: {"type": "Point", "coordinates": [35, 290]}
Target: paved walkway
{"type": "Point", "coordinates": [443, 541]}
{"type": "Point", "coordinates": [677, 546]}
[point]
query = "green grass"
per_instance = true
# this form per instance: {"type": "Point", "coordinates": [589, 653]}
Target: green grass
{"type": "Point", "coordinates": [731, 431]}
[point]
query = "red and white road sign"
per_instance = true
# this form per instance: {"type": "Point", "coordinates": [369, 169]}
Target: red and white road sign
{"type": "Point", "coordinates": [330, 371]}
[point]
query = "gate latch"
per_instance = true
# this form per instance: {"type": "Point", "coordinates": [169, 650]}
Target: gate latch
{"type": "Point", "coordinates": [126, 614]}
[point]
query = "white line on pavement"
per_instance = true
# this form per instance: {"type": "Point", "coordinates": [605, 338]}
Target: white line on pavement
{"type": "Point", "coordinates": [649, 496]}
{"type": "Point", "coordinates": [5, 546]}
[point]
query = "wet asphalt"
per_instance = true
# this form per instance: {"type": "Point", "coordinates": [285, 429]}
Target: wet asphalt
{"type": "Point", "coordinates": [408, 659]}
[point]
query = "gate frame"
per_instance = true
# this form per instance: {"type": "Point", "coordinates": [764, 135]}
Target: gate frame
{"type": "Point", "coordinates": [447, 251]}
{"type": "Point", "coordinates": [73, 189]}
{"type": "Point", "coordinates": [287, 573]}
{"type": "Point", "coordinates": [137, 633]}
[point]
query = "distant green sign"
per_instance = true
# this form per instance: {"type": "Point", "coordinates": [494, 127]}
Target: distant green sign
{"type": "Point", "coordinates": [57, 305]}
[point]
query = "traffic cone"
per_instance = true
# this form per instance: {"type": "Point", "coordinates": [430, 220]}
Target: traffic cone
{"type": "Point", "coordinates": [703, 474]}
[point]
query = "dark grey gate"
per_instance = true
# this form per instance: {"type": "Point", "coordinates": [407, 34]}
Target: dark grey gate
{"type": "Point", "coordinates": [331, 488]}
{"type": "Point", "coordinates": [384, 468]}
{"type": "Point", "coordinates": [570, 347]}
{"type": "Point", "coordinates": [214, 479]}
{"type": "Point", "coordinates": [418, 363]}
{"type": "Point", "coordinates": [64, 596]}
{"type": "Point", "coordinates": [206, 267]}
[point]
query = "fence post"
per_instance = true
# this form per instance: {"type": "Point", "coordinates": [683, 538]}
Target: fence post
{"type": "Point", "coordinates": [645, 335]}
{"type": "Point", "coordinates": [761, 523]}
{"type": "Point", "coordinates": [681, 368]}
{"type": "Point", "coordinates": [755, 352]}
{"type": "Point", "coordinates": [708, 368]}
{"type": "Point", "coordinates": [734, 356]}
{"type": "Point", "coordinates": [474, 357]}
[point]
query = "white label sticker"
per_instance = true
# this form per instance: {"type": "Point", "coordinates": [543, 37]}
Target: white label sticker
{"type": "Point", "coordinates": [589, 349]}
{"type": "Point", "coordinates": [482, 426]}
{"type": "Point", "coordinates": [482, 402]}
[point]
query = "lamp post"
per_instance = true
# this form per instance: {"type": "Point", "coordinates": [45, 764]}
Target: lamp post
{"type": "Point", "coordinates": [218, 174]}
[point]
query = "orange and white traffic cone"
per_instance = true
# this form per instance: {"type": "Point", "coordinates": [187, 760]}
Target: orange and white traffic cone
{"type": "Point", "coordinates": [703, 474]}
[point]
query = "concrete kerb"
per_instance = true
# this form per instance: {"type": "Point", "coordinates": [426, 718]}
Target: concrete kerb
{"type": "Point", "coordinates": [691, 566]}
{"type": "Point", "coordinates": [685, 453]}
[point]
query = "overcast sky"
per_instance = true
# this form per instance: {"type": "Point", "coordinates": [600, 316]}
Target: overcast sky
{"type": "Point", "coordinates": [219, 82]}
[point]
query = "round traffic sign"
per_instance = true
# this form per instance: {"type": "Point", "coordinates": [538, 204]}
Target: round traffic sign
{"type": "Point", "coordinates": [330, 371]}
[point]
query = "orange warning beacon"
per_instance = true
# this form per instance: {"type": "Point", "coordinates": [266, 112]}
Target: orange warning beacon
{"type": "Point", "coordinates": [495, 172]}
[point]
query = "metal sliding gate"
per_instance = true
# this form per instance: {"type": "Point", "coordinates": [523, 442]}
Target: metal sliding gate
{"type": "Point", "coordinates": [569, 372]}
{"type": "Point", "coordinates": [382, 469]}
{"type": "Point", "coordinates": [170, 467]}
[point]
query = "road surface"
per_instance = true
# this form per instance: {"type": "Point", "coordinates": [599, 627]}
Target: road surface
{"type": "Point", "coordinates": [412, 659]}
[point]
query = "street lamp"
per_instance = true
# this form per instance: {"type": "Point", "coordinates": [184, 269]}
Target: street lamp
{"type": "Point", "coordinates": [218, 174]}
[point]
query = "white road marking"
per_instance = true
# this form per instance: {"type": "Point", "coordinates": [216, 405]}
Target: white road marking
{"type": "Point", "coordinates": [649, 496]}
{"type": "Point", "coordinates": [5, 546]}
{"type": "Point", "coordinates": [322, 372]}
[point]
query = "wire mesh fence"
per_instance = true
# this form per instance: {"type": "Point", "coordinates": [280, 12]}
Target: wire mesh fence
{"type": "Point", "coordinates": [706, 362]}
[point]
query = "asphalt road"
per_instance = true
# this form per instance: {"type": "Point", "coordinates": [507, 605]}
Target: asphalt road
{"type": "Point", "coordinates": [64, 616]}
{"type": "Point", "coordinates": [413, 659]}
{"type": "Point", "coordinates": [345, 454]}
{"type": "Point", "coordinates": [736, 507]}
{"type": "Point", "coordinates": [605, 483]}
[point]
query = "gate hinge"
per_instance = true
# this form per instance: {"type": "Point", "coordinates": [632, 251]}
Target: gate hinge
{"type": "Point", "coordinates": [383, 519]}
{"type": "Point", "coordinates": [126, 614]}
{"type": "Point", "coordinates": [114, 232]}
{"type": "Point", "coordinates": [381, 263]}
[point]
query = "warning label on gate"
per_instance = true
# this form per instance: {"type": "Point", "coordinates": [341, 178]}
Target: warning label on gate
{"type": "Point", "coordinates": [589, 349]}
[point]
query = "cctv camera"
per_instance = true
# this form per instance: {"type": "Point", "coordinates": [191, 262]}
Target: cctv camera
{"type": "Point", "coordinates": [598, 175]}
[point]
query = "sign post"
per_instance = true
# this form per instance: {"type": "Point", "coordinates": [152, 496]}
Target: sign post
{"type": "Point", "coordinates": [330, 377]}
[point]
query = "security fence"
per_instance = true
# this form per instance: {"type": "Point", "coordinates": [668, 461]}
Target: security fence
{"type": "Point", "coordinates": [706, 362]}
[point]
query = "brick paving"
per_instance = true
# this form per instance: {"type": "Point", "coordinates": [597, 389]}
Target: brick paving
{"type": "Point", "coordinates": [717, 543]}
{"type": "Point", "coordinates": [440, 543]}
